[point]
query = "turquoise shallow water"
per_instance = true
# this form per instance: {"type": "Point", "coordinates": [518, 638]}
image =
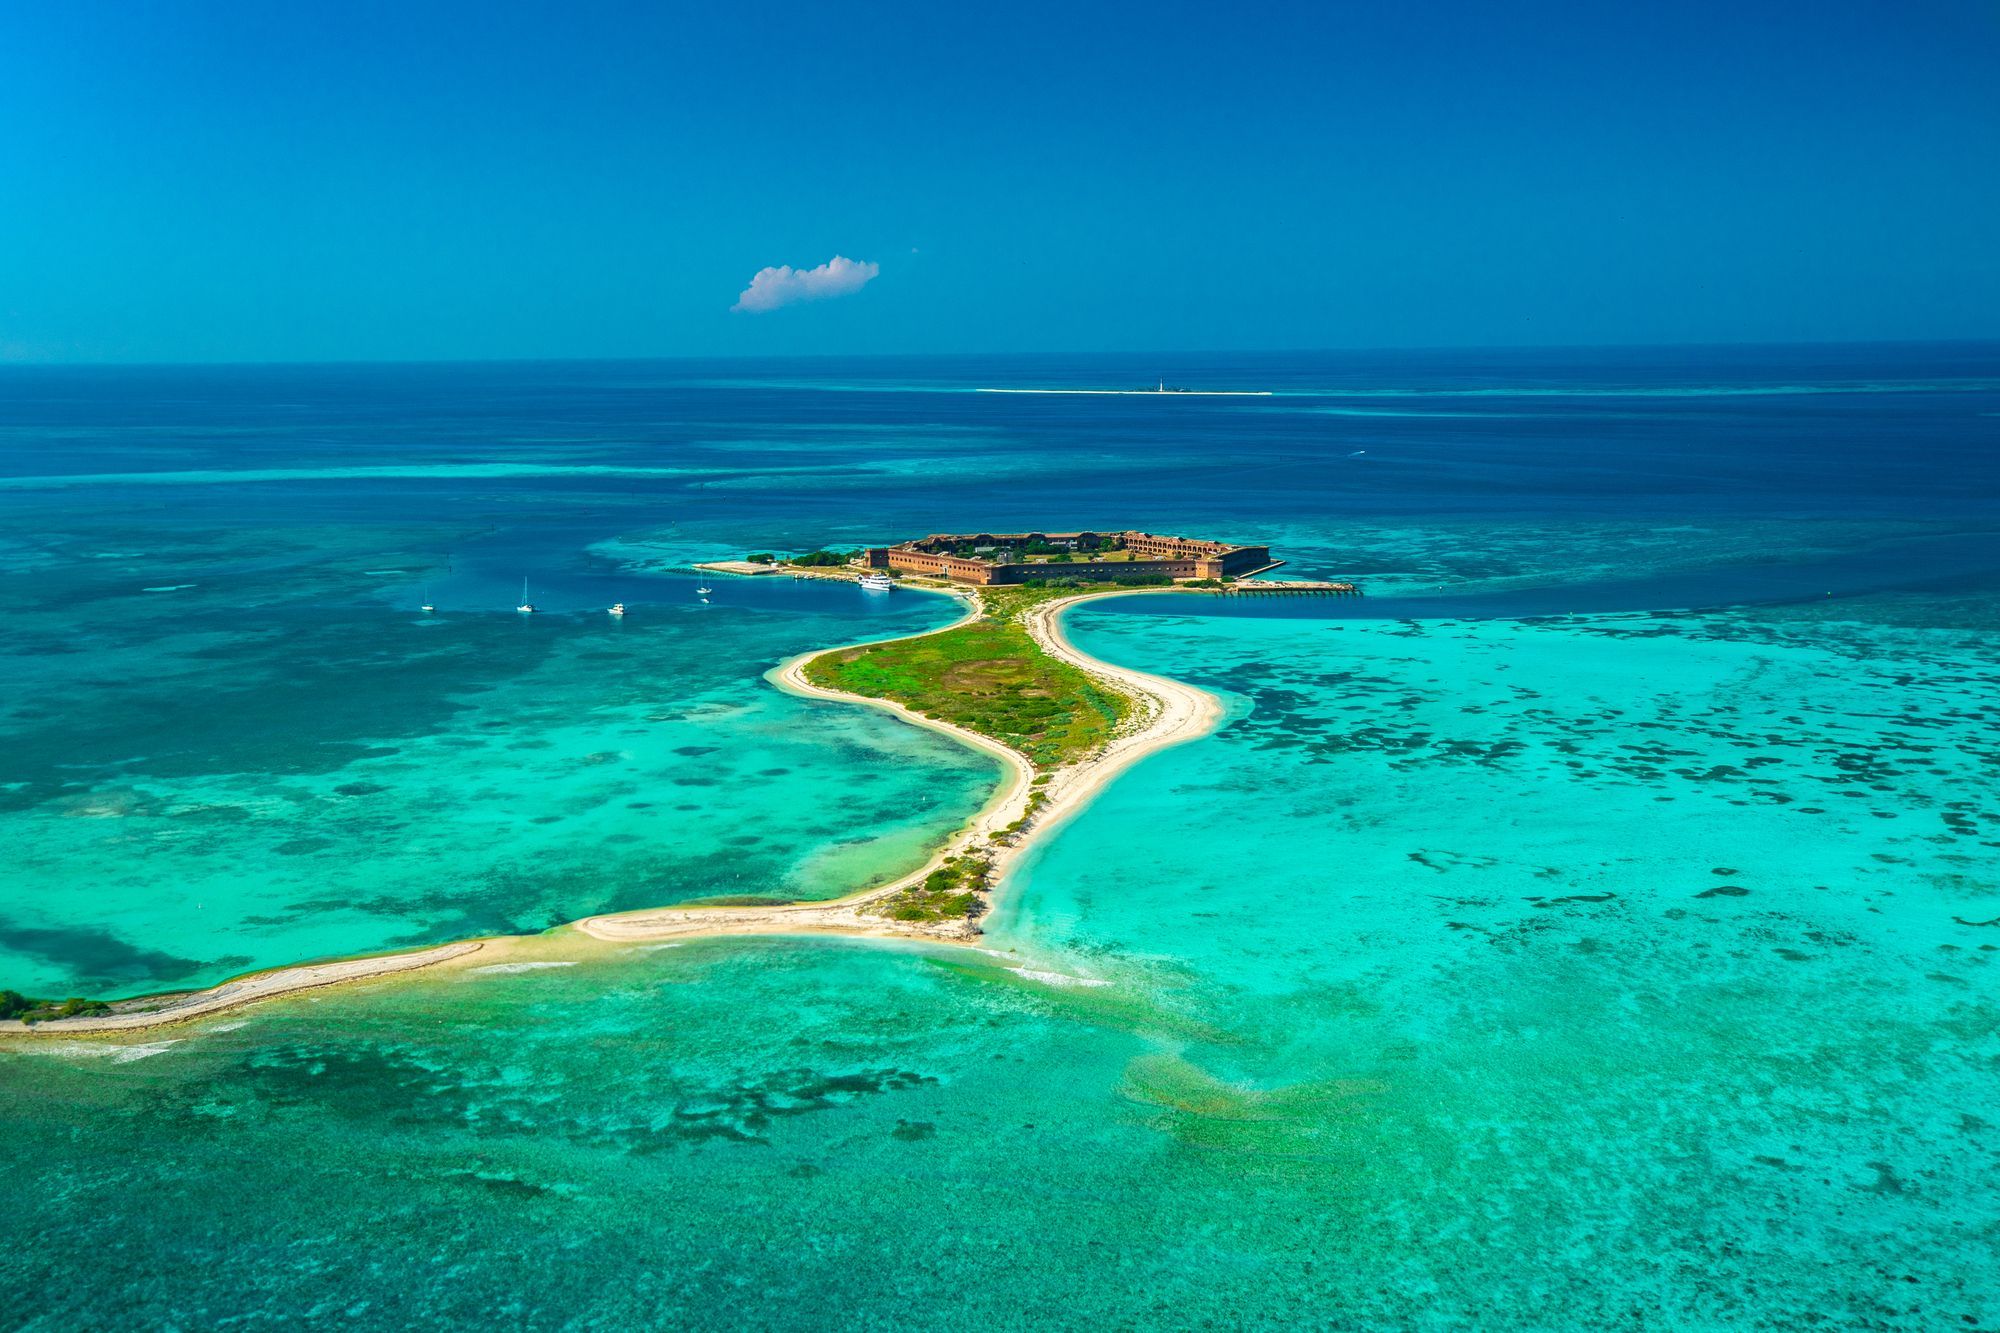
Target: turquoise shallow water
{"type": "Point", "coordinates": [1472, 971]}
{"type": "Point", "coordinates": [1529, 949]}
{"type": "Point", "coordinates": [389, 779]}
{"type": "Point", "coordinates": [1657, 948]}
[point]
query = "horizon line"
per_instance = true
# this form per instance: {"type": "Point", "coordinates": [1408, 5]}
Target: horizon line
{"type": "Point", "coordinates": [1992, 340]}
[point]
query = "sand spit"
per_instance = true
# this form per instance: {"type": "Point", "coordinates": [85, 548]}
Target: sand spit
{"type": "Point", "coordinates": [160, 1010]}
{"type": "Point", "coordinates": [1164, 713]}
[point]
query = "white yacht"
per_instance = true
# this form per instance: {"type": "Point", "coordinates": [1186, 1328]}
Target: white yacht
{"type": "Point", "coordinates": [703, 589]}
{"type": "Point", "coordinates": [526, 608]}
{"type": "Point", "coordinates": [615, 609]}
{"type": "Point", "coordinates": [877, 582]}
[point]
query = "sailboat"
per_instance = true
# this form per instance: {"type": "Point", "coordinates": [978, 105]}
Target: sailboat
{"type": "Point", "coordinates": [428, 607]}
{"type": "Point", "coordinates": [702, 588]}
{"type": "Point", "coordinates": [526, 608]}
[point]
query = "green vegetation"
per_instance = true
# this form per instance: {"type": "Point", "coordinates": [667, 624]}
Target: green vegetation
{"type": "Point", "coordinates": [1114, 581]}
{"type": "Point", "coordinates": [761, 558]}
{"type": "Point", "coordinates": [1064, 557]}
{"type": "Point", "coordinates": [13, 1004]}
{"type": "Point", "coordinates": [987, 676]}
{"type": "Point", "coordinates": [947, 893]}
{"type": "Point", "coordinates": [1040, 548]}
{"type": "Point", "coordinates": [1037, 798]}
{"type": "Point", "coordinates": [818, 559]}
{"type": "Point", "coordinates": [1109, 548]}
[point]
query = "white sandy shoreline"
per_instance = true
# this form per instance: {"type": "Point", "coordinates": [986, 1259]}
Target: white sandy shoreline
{"type": "Point", "coordinates": [161, 1010]}
{"type": "Point", "coordinates": [1165, 713]}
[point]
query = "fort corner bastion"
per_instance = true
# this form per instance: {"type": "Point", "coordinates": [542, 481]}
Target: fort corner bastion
{"type": "Point", "coordinates": [1021, 557]}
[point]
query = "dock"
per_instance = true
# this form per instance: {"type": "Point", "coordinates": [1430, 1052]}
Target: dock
{"type": "Point", "coordinates": [1277, 587]}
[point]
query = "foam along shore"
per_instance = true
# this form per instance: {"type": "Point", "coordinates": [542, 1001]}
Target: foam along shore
{"type": "Point", "coordinates": [1164, 713]}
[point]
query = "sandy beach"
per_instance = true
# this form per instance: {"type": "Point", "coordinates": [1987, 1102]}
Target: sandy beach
{"type": "Point", "coordinates": [160, 1010]}
{"type": "Point", "coordinates": [1164, 713]}
{"type": "Point", "coordinates": [1167, 712]}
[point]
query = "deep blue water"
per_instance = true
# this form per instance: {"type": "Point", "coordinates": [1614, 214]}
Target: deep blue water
{"type": "Point", "coordinates": [1892, 430]}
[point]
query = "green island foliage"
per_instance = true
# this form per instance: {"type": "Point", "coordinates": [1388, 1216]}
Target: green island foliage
{"type": "Point", "coordinates": [989, 676]}
{"type": "Point", "coordinates": [1037, 798]}
{"type": "Point", "coordinates": [1114, 581]}
{"type": "Point", "coordinates": [1087, 545]}
{"type": "Point", "coordinates": [760, 558]}
{"type": "Point", "coordinates": [947, 893]}
{"type": "Point", "coordinates": [13, 1004]}
{"type": "Point", "coordinates": [820, 559]}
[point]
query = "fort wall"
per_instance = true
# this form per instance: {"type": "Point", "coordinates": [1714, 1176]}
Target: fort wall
{"type": "Point", "coordinates": [1151, 555]}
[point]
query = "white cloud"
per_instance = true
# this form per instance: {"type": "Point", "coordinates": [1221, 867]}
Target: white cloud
{"type": "Point", "coordinates": [773, 287]}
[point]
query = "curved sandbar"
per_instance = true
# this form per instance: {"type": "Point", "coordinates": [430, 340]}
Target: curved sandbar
{"type": "Point", "coordinates": [842, 915]}
{"type": "Point", "coordinates": [1167, 712]}
{"type": "Point", "coordinates": [162, 1010]}
{"type": "Point", "coordinates": [1164, 712]}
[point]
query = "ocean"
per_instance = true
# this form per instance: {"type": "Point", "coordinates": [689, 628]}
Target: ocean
{"type": "Point", "coordinates": [1590, 926]}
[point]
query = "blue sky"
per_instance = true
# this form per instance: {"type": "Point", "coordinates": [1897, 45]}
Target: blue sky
{"type": "Point", "coordinates": [266, 181]}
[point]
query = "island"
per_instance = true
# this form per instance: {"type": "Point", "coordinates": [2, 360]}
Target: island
{"type": "Point", "coordinates": [986, 558]}
{"type": "Point", "coordinates": [1002, 678]}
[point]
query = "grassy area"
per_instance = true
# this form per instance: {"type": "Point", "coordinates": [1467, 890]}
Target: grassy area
{"type": "Point", "coordinates": [13, 1004]}
{"type": "Point", "coordinates": [949, 892]}
{"type": "Point", "coordinates": [1067, 557]}
{"type": "Point", "coordinates": [987, 676]}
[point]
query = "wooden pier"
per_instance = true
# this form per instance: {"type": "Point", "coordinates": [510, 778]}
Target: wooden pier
{"type": "Point", "coordinates": [1275, 587]}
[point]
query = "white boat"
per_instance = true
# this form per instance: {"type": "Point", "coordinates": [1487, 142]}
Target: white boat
{"type": "Point", "coordinates": [877, 582]}
{"type": "Point", "coordinates": [526, 608]}
{"type": "Point", "coordinates": [704, 590]}
{"type": "Point", "coordinates": [615, 609]}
